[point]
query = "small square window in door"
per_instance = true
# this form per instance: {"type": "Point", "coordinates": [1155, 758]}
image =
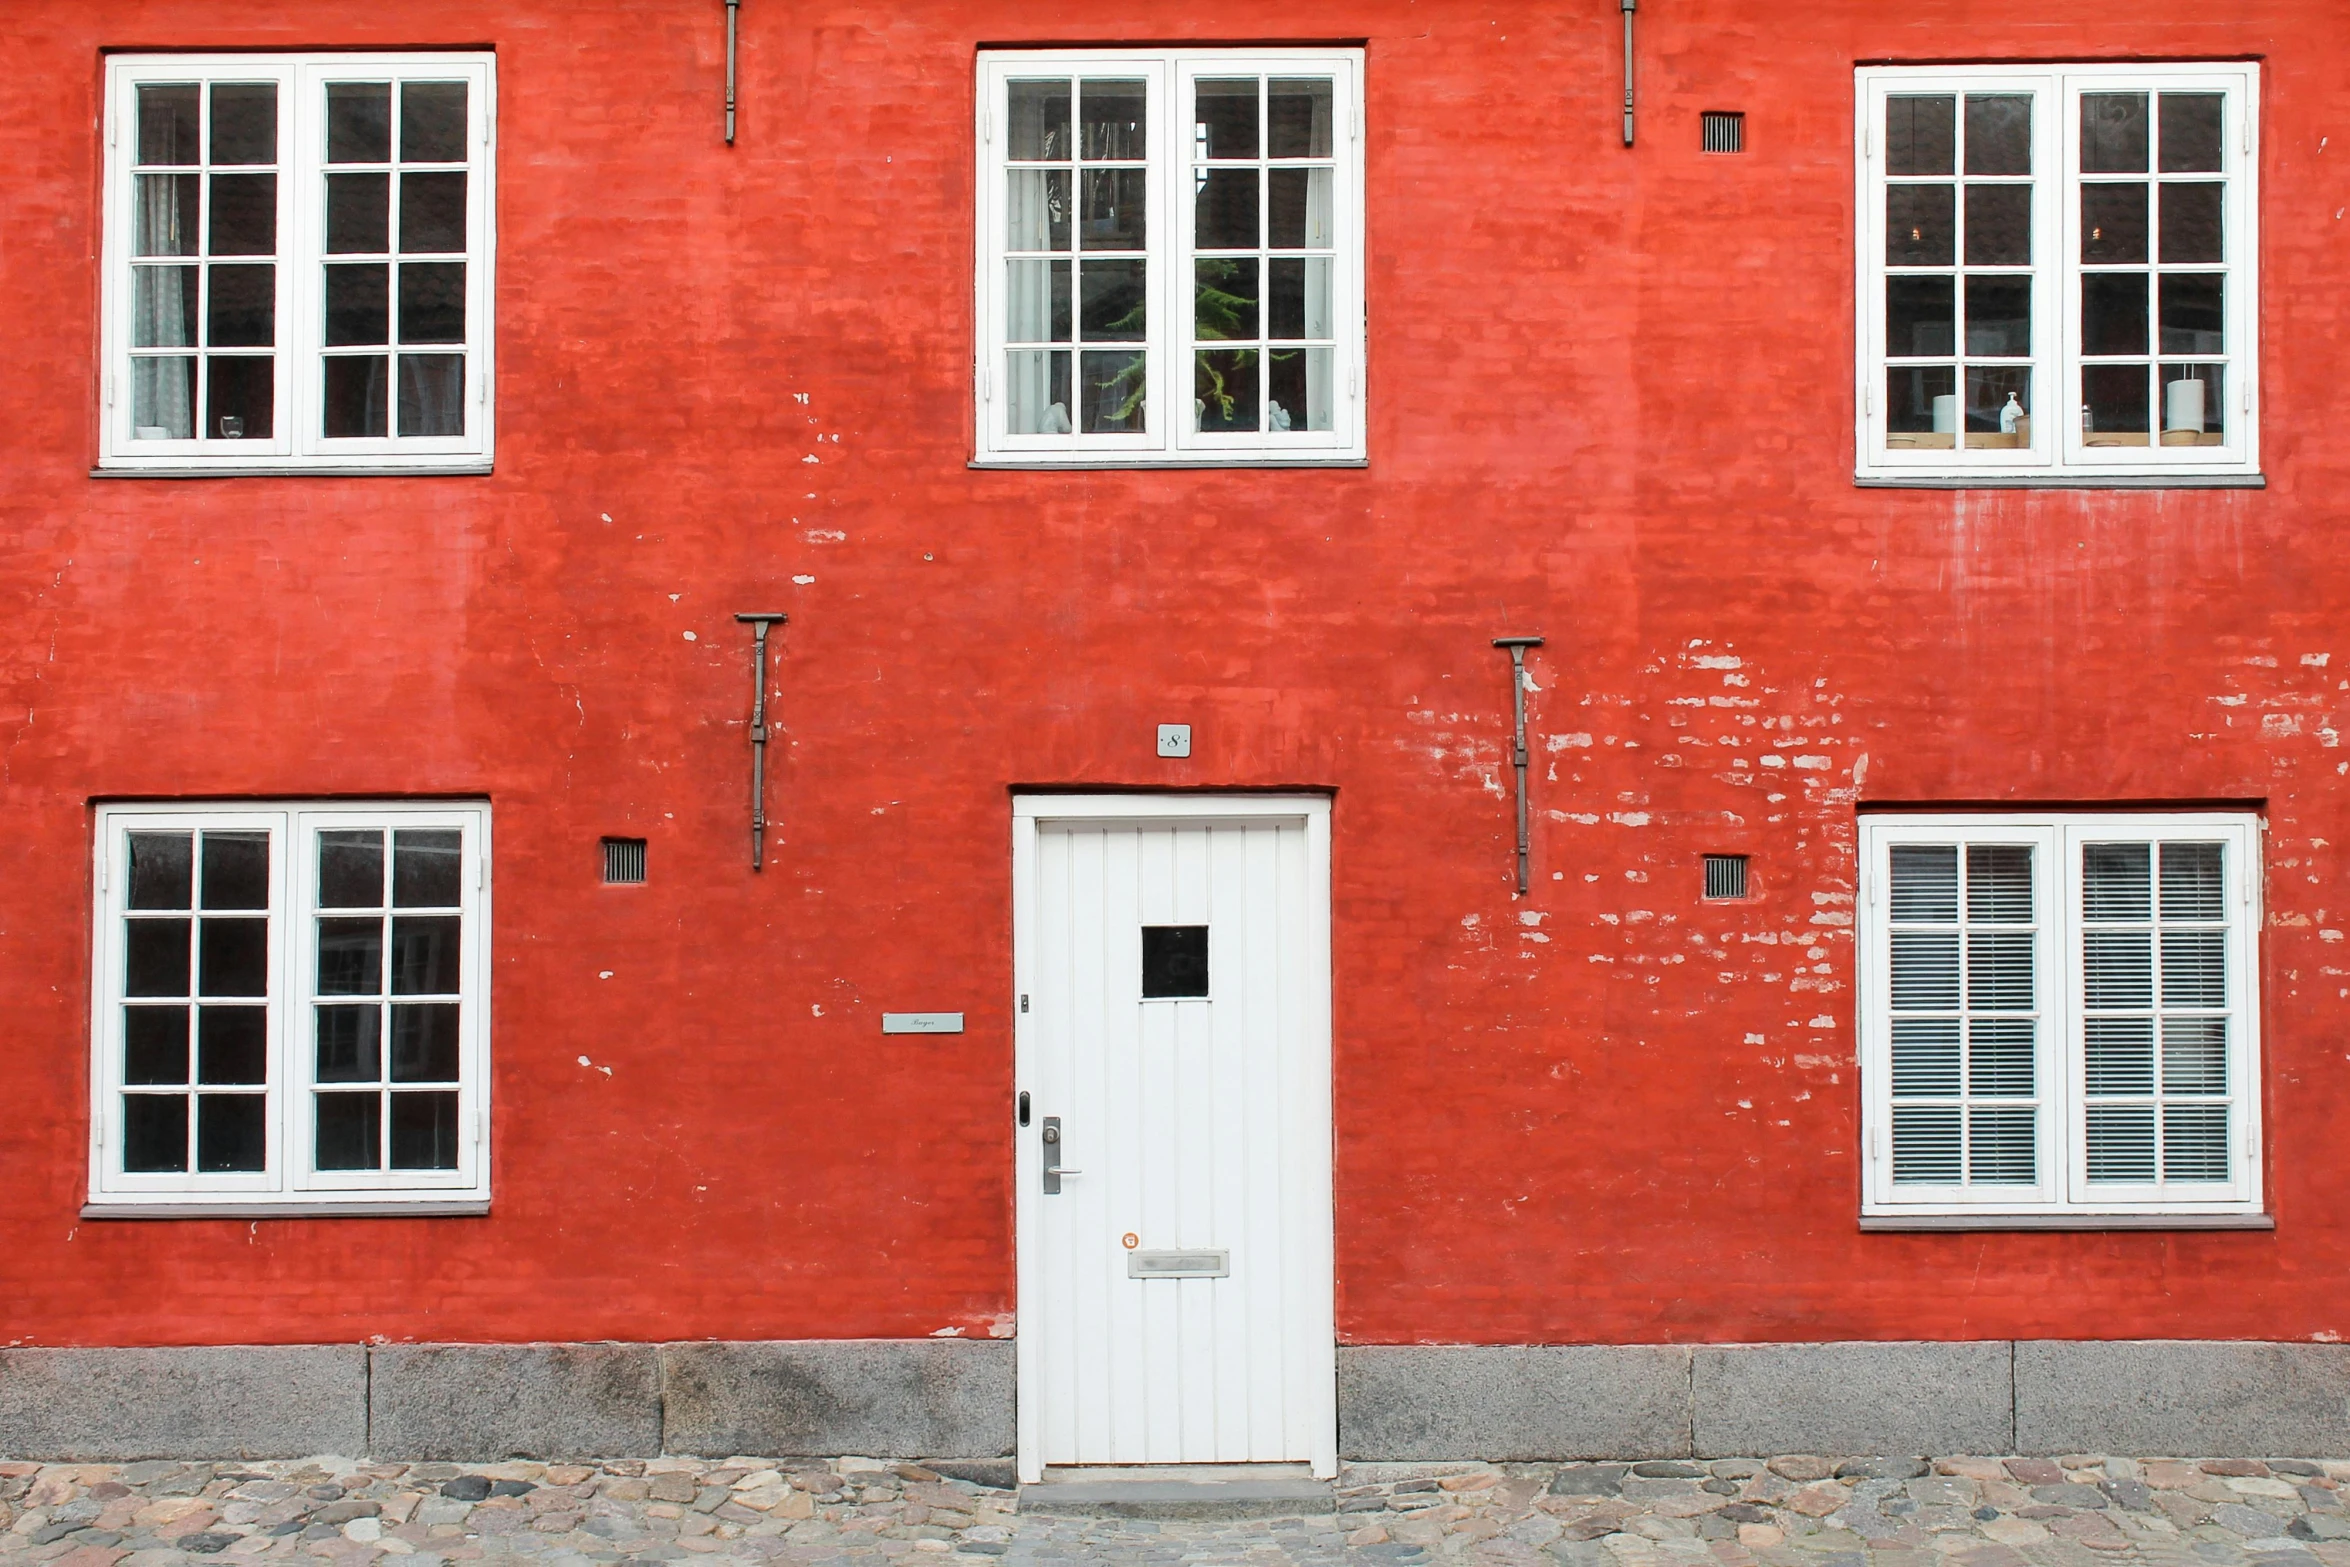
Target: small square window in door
{"type": "Point", "coordinates": [1174, 962]}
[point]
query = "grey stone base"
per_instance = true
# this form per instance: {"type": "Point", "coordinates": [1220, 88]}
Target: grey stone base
{"type": "Point", "coordinates": [2132, 1398]}
{"type": "Point", "coordinates": [953, 1399]}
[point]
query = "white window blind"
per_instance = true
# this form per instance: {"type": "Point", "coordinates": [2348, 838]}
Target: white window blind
{"type": "Point", "coordinates": [2057, 1014]}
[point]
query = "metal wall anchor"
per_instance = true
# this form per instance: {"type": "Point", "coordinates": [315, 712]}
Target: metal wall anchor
{"type": "Point", "coordinates": [759, 624]}
{"type": "Point", "coordinates": [1518, 756]}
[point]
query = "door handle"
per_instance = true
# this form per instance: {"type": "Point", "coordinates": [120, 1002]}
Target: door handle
{"type": "Point", "coordinates": [1053, 1170]}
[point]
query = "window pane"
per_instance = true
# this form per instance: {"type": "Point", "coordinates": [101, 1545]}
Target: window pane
{"type": "Point", "coordinates": [2113, 313]}
{"type": "Point", "coordinates": [244, 215]}
{"type": "Point", "coordinates": [424, 1042]}
{"type": "Point", "coordinates": [1226, 300]}
{"type": "Point", "coordinates": [2116, 414]}
{"type": "Point", "coordinates": [2113, 133]}
{"type": "Point", "coordinates": [155, 959]}
{"type": "Point", "coordinates": [1925, 882]}
{"type": "Point", "coordinates": [2195, 1055]}
{"type": "Point", "coordinates": [1925, 1146]}
{"type": "Point", "coordinates": [241, 396]}
{"type": "Point", "coordinates": [2119, 1055]}
{"type": "Point", "coordinates": [350, 957]}
{"type": "Point", "coordinates": [1225, 124]}
{"type": "Point", "coordinates": [1226, 210]}
{"type": "Point", "coordinates": [358, 214]}
{"type": "Point", "coordinates": [2117, 881]}
{"type": "Point", "coordinates": [1112, 389]}
{"type": "Point", "coordinates": [1998, 225]}
{"type": "Point", "coordinates": [2001, 1058]}
{"type": "Point", "coordinates": [2191, 885]}
{"type": "Point", "coordinates": [2194, 320]}
{"type": "Point", "coordinates": [1999, 405]}
{"type": "Point", "coordinates": [162, 869]}
{"type": "Point", "coordinates": [233, 958]}
{"type": "Point", "coordinates": [2191, 132]}
{"type": "Point", "coordinates": [169, 207]}
{"type": "Point", "coordinates": [1112, 209]}
{"type": "Point", "coordinates": [2194, 411]}
{"type": "Point", "coordinates": [349, 1044]}
{"type": "Point", "coordinates": [163, 307]}
{"type": "Point", "coordinates": [359, 122]}
{"type": "Point", "coordinates": [2191, 222]}
{"type": "Point", "coordinates": [1036, 398]}
{"type": "Point", "coordinates": [1921, 133]}
{"type": "Point", "coordinates": [2117, 969]}
{"type": "Point", "coordinates": [351, 869]}
{"type": "Point", "coordinates": [424, 1131]}
{"type": "Point", "coordinates": [1920, 227]}
{"type": "Point", "coordinates": [230, 1137]}
{"type": "Point", "coordinates": [432, 394]}
{"type": "Point", "coordinates": [1925, 1057]}
{"type": "Point", "coordinates": [1111, 302]}
{"type": "Point", "coordinates": [236, 870]}
{"type": "Point", "coordinates": [357, 400]}
{"type": "Point", "coordinates": [1999, 133]}
{"type": "Point", "coordinates": [1921, 406]}
{"type": "Point", "coordinates": [242, 312]}
{"type": "Point", "coordinates": [2003, 1147]}
{"type": "Point", "coordinates": [432, 122]}
{"type": "Point", "coordinates": [1224, 390]}
{"type": "Point", "coordinates": [358, 304]}
{"type": "Point", "coordinates": [232, 1045]}
{"type": "Point", "coordinates": [425, 954]}
{"type": "Point", "coordinates": [1110, 120]}
{"type": "Point", "coordinates": [1920, 317]}
{"type": "Point", "coordinates": [2113, 223]}
{"type": "Point", "coordinates": [244, 122]}
{"type": "Point", "coordinates": [1925, 971]}
{"type": "Point", "coordinates": [154, 1133]}
{"type": "Point", "coordinates": [1298, 388]}
{"type": "Point", "coordinates": [1036, 301]}
{"type": "Point", "coordinates": [1038, 127]}
{"type": "Point", "coordinates": [432, 302]}
{"type": "Point", "coordinates": [1037, 210]}
{"type": "Point", "coordinates": [155, 1044]}
{"type": "Point", "coordinates": [167, 123]}
{"type": "Point", "coordinates": [2000, 972]}
{"type": "Point", "coordinates": [2194, 968]}
{"type": "Point", "coordinates": [348, 1133]}
{"type": "Point", "coordinates": [1298, 113]}
{"type": "Point", "coordinates": [2194, 1142]}
{"type": "Point", "coordinates": [2121, 1142]}
{"type": "Point", "coordinates": [432, 211]}
{"type": "Point", "coordinates": [1297, 209]}
{"type": "Point", "coordinates": [1999, 883]}
{"type": "Point", "coordinates": [1298, 297]}
{"type": "Point", "coordinates": [1999, 316]}
{"type": "Point", "coordinates": [163, 399]}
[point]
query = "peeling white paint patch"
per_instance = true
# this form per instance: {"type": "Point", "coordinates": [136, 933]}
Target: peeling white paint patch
{"type": "Point", "coordinates": [1574, 741]}
{"type": "Point", "coordinates": [803, 581]}
{"type": "Point", "coordinates": [824, 536]}
{"type": "Point", "coordinates": [1814, 763]}
{"type": "Point", "coordinates": [1531, 917]}
{"type": "Point", "coordinates": [1754, 1039]}
{"type": "Point", "coordinates": [1629, 818]}
{"type": "Point", "coordinates": [690, 637]}
{"type": "Point", "coordinates": [1823, 1021]}
{"type": "Point", "coordinates": [591, 1066]}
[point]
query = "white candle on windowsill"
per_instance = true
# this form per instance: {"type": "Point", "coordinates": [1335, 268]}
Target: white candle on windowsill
{"type": "Point", "coordinates": [2182, 405]}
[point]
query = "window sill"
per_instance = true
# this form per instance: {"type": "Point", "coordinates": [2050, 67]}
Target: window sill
{"type": "Point", "coordinates": [2066, 1221]}
{"type": "Point", "coordinates": [1129, 462]}
{"type": "Point", "coordinates": [2065, 481]}
{"type": "Point", "coordinates": [303, 470]}
{"type": "Point", "coordinates": [460, 1208]}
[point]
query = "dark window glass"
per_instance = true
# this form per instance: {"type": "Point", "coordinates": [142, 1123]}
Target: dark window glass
{"type": "Point", "coordinates": [351, 869]}
{"type": "Point", "coordinates": [348, 1046]}
{"type": "Point", "coordinates": [1112, 208]}
{"type": "Point", "coordinates": [425, 868]}
{"type": "Point", "coordinates": [1110, 119]}
{"type": "Point", "coordinates": [1174, 961]}
{"type": "Point", "coordinates": [2191, 229]}
{"type": "Point", "coordinates": [243, 309]}
{"type": "Point", "coordinates": [350, 957]}
{"type": "Point", "coordinates": [1227, 118]}
{"type": "Point", "coordinates": [358, 214]}
{"type": "Point", "coordinates": [432, 394]}
{"type": "Point", "coordinates": [1225, 297]}
{"type": "Point", "coordinates": [432, 211]}
{"type": "Point", "coordinates": [2113, 313]}
{"type": "Point", "coordinates": [232, 1045]}
{"type": "Point", "coordinates": [1919, 316]}
{"type": "Point", "coordinates": [1111, 302]}
{"type": "Point", "coordinates": [1224, 385]}
{"type": "Point", "coordinates": [244, 122]}
{"type": "Point", "coordinates": [1225, 208]}
{"type": "Point", "coordinates": [1999, 225]}
{"type": "Point", "coordinates": [348, 1133]}
{"type": "Point", "coordinates": [424, 1043]}
{"type": "Point", "coordinates": [359, 122]}
{"type": "Point", "coordinates": [358, 305]}
{"type": "Point", "coordinates": [424, 1131]}
{"type": "Point", "coordinates": [1999, 133]}
{"type": "Point", "coordinates": [161, 866]}
{"type": "Point", "coordinates": [424, 954]}
{"type": "Point", "coordinates": [233, 958]}
{"type": "Point", "coordinates": [243, 395]}
{"type": "Point", "coordinates": [236, 870]}
{"type": "Point", "coordinates": [1921, 228]}
{"type": "Point", "coordinates": [1921, 134]}
{"type": "Point", "coordinates": [168, 130]}
{"type": "Point", "coordinates": [2113, 133]}
{"type": "Point", "coordinates": [229, 1138]}
{"type": "Point", "coordinates": [154, 1045]}
{"type": "Point", "coordinates": [357, 400]}
{"type": "Point", "coordinates": [156, 957]}
{"type": "Point", "coordinates": [2193, 320]}
{"type": "Point", "coordinates": [244, 214]}
{"type": "Point", "coordinates": [432, 122]}
{"type": "Point", "coordinates": [2190, 132]}
{"type": "Point", "coordinates": [154, 1133]}
{"type": "Point", "coordinates": [432, 302]}
{"type": "Point", "coordinates": [1999, 316]}
{"type": "Point", "coordinates": [2113, 223]}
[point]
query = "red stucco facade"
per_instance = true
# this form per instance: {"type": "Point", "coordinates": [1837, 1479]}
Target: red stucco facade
{"type": "Point", "coordinates": [1610, 403]}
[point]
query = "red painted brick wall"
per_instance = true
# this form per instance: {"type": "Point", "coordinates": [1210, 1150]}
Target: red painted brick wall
{"type": "Point", "coordinates": [1609, 403]}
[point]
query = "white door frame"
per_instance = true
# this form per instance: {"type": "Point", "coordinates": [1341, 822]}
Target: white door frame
{"type": "Point", "coordinates": [1315, 1256]}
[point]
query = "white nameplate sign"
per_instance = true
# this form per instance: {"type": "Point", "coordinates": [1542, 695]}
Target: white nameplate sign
{"type": "Point", "coordinates": [1179, 1264]}
{"type": "Point", "coordinates": [922, 1022]}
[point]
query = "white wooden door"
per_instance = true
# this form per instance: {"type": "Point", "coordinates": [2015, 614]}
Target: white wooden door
{"type": "Point", "coordinates": [1176, 1290]}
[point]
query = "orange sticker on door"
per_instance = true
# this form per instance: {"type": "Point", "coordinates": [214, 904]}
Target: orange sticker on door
{"type": "Point", "coordinates": [1130, 1240]}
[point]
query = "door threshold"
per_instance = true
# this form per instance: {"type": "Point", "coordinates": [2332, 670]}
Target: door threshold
{"type": "Point", "coordinates": [1174, 1491]}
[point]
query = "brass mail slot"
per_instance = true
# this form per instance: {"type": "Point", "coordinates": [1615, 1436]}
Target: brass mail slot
{"type": "Point", "coordinates": [1179, 1264]}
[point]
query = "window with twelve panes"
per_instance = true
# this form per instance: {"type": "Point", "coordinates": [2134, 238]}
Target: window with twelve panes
{"type": "Point", "coordinates": [2059, 1015]}
{"type": "Point", "coordinates": [298, 253]}
{"type": "Point", "coordinates": [1170, 257]}
{"type": "Point", "coordinates": [2057, 273]}
{"type": "Point", "coordinates": [290, 1008]}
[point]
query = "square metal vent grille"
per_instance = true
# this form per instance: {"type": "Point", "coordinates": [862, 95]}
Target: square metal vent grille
{"type": "Point", "coordinates": [624, 860]}
{"type": "Point", "coordinates": [1725, 876]}
{"type": "Point", "coordinates": [1724, 130]}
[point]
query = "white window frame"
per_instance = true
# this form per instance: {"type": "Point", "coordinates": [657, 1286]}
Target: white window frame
{"type": "Point", "coordinates": [2058, 454]}
{"type": "Point", "coordinates": [2063, 1195]}
{"type": "Point", "coordinates": [297, 443]}
{"type": "Point", "coordinates": [289, 1184]}
{"type": "Point", "coordinates": [1169, 440]}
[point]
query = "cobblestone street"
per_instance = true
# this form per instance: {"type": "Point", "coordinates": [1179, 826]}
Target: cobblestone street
{"type": "Point", "coordinates": [1787, 1512]}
